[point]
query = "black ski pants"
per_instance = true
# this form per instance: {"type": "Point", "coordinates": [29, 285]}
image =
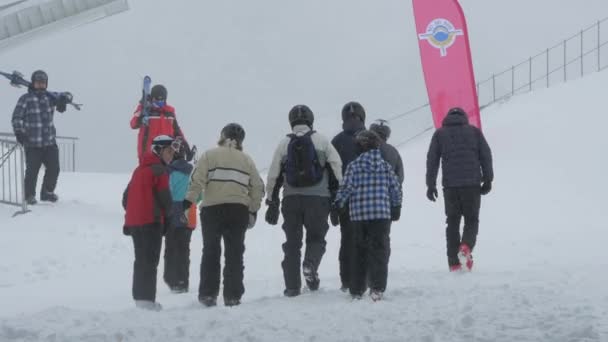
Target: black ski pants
{"type": "Point", "coordinates": [461, 202]}
{"type": "Point", "coordinates": [311, 213]}
{"type": "Point", "coordinates": [147, 241]}
{"type": "Point", "coordinates": [35, 157]}
{"type": "Point", "coordinates": [346, 247]}
{"type": "Point", "coordinates": [228, 222]}
{"type": "Point", "coordinates": [370, 255]}
{"type": "Point", "coordinates": [177, 257]}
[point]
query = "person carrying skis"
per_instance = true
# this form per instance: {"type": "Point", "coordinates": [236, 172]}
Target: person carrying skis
{"type": "Point", "coordinates": [147, 202]}
{"type": "Point", "coordinates": [311, 169]}
{"type": "Point", "coordinates": [466, 161]}
{"type": "Point", "coordinates": [232, 193]}
{"type": "Point", "coordinates": [388, 151]}
{"type": "Point", "coordinates": [34, 129]}
{"type": "Point", "coordinates": [353, 122]}
{"type": "Point", "coordinates": [161, 120]}
{"type": "Point", "coordinates": [179, 232]}
{"type": "Point", "coordinates": [373, 195]}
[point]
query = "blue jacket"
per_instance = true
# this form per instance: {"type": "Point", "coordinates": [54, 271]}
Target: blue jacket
{"type": "Point", "coordinates": [33, 117]}
{"type": "Point", "coordinates": [179, 181]}
{"type": "Point", "coordinates": [371, 188]}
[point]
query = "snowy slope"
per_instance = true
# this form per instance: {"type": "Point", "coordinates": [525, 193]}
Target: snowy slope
{"type": "Point", "coordinates": [65, 269]}
{"type": "Point", "coordinates": [251, 61]}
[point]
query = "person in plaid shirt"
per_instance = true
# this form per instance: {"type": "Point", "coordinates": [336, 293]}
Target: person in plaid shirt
{"type": "Point", "coordinates": [372, 190]}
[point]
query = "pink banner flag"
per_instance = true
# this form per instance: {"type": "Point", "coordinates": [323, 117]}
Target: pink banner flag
{"type": "Point", "coordinates": [446, 58]}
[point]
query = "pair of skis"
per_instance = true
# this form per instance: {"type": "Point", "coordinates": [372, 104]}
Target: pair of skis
{"type": "Point", "coordinates": [16, 80]}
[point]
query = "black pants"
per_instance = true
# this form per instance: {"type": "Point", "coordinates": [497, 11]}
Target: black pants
{"type": "Point", "coordinates": [36, 157]}
{"type": "Point", "coordinates": [177, 257]}
{"type": "Point", "coordinates": [147, 242]}
{"type": "Point", "coordinates": [459, 202]}
{"type": "Point", "coordinates": [310, 212]}
{"type": "Point", "coordinates": [346, 248]}
{"type": "Point", "coordinates": [227, 221]}
{"type": "Point", "coordinates": [370, 255]}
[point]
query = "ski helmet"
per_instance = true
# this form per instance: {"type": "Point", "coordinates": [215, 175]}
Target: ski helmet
{"type": "Point", "coordinates": [234, 132]}
{"type": "Point", "coordinates": [301, 115]}
{"type": "Point", "coordinates": [159, 92]}
{"type": "Point", "coordinates": [381, 128]}
{"type": "Point", "coordinates": [367, 140]}
{"type": "Point", "coordinates": [40, 76]}
{"type": "Point", "coordinates": [162, 141]}
{"type": "Point", "coordinates": [353, 109]}
{"type": "Point", "coordinates": [457, 110]}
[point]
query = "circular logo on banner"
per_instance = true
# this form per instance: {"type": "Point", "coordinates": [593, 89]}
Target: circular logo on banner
{"type": "Point", "coordinates": [441, 34]}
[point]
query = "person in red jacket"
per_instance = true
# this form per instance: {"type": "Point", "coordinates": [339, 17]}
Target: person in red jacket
{"type": "Point", "coordinates": [161, 120]}
{"type": "Point", "coordinates": [147, 201]}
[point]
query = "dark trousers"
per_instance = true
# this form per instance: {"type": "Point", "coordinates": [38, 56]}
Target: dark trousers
{"type": "Point", "coordinates": [177, 257]}
{"type": "Point", "coordinates": [370, 255]}
{"type": "Point", "coordinates": [147, 242]}
{"type": "Point", "coordinates": [228, 222]}
{"type": "Point", "coordinates": [461, 202]}
{"type": "Point", "coordinates": [310, 212]}
{"type": "Point", "coordinates": [346, 248]}
{"type": "Point", "coordinates": [35, 157]}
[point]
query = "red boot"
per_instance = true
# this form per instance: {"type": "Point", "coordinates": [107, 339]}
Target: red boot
{"type": "Point", "coordinates": [465, 256]}
{"type": "Point", "coordinates": [456, 268]}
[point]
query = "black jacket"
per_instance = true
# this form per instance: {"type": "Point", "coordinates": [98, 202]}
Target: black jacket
{"type": "Point", "coordinates": [465, 155]}
{"type": "Point", "coordinates": [345, 142]}
{"type": "Point", "coordinates": [392, 156]}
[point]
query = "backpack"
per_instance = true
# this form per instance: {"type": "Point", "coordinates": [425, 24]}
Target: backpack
{"type": "Point", "coordinates": [302, 168]}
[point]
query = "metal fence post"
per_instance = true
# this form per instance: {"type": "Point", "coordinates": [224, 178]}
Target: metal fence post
{"type": "Point", "coordinates": [493, 87]}
{"type": "Point", "coordinates": [23, 202]}
{"type": "Point", "coordinates": [513, 80]}
{"type": "Point", "coordinates": [73, 156]}
{"type": "Point", "coordinates": [530, 78]}
{"type": "Point", "coordinates": [599, 46]}
{"type": "Point", "coordinates": [582, 61]}
{"type": "Point", "coordinates": [547, 68]}
{"type": "Point", "coordinates": [565, 60]}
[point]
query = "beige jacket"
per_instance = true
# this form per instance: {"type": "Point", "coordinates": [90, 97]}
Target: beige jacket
{"type": "Point", "coordinates": [226, 175]}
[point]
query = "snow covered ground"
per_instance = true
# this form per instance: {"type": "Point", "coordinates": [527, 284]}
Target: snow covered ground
{"type": "Point", "coordinates": [540, 275]}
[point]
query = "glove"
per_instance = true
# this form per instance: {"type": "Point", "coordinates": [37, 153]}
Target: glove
{"type": "Point", "coordinates": [62, 101]}
{"type": "Point", "coordinates": [252, 218]}
{"type": "Point", "coordinates": [21, 138]}
{"type": "Point", "coordinates": [431, 194]}
{"type": "Point", "coordinates": [186, 205]}
{"type": "Point", "coordinates": [486, 187]}
{"type": "Point", "coordinates": [395, 213]}
{"type": "Point", "coordinates": [334, 215]}
{"type": "Point", "coordinates": [272, 213]}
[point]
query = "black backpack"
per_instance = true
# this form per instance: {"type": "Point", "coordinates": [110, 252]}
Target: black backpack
{"type": "Point", "coordinates": [302, 168]}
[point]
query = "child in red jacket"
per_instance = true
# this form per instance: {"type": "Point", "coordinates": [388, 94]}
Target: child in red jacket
{"type": "Point", "coordinates": [147, 201]}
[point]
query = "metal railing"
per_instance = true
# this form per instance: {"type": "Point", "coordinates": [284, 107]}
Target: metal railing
{"type": "Point", "coordinates": [67, 150]}
{"type": "Point", "coordinates": [12, 169]}
{"type": "Point", "coordinates": [573, 58]}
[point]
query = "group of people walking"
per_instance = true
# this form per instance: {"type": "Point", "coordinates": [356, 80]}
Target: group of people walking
{"type": "Point", "coordinates": [355, 181]}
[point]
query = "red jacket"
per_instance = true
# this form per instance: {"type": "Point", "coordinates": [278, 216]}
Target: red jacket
{"type": "Point", "coordinates": [161, 121]}
{"type": "Point", "coordinates": [147, 199]}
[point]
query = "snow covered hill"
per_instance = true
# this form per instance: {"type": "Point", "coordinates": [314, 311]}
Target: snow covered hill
{"type": "Point", "coordinates": [540, 275]}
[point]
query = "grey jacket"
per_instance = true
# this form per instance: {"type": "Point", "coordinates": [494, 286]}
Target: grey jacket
{"type": "Point", "coordinates": [391, 155]}
{"type": "Point", "coordinates": [328, 156]}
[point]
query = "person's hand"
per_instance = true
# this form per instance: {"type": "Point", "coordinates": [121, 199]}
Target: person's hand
{"type": "Point", "coordinates": [252, 218]}
{"type": "Point", "coordinates": [272, 213]}
{"type": "Point", "coordinates": [486, 187]}
{"type": "Point", "coordinates": [431, 194]}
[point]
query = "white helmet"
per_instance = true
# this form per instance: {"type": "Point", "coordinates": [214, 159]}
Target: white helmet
{"type": "Point", "coordinates": [163, 141]}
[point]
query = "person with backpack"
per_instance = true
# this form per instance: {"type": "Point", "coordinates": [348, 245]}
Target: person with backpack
{"type": "Point", "coordinates": [372, 192]}
{"type": "Point", "coordinates": [305, 165]}
{"type": "Point", "coordinates": [388, 151]}
{"type": "Point", "coordinates": [232, 194]}
{"type": "Point", "coordinates": [466, 161]}
{"type": "Point", "coordinates": [161, 120]}
{"type": "Point", "coordinates": [177, 237]}
{"type": "Point", "coordinates": [147, 202]}
{"type": "Point", "coordinates": [353, 122]}
{"type": "Point", "coordinates": [34, 129]}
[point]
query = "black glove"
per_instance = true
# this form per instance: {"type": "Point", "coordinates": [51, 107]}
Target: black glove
{"type": "Point", "coordinates": [21, 137]}
{"type": "Point", "coordinates": [334, 216]}
{"type": "Point", "coordinates": [431, 194]}
{"type": "Point", "coordinates": [186, 205]}
{"type": "Point", "coordinates": [395, 213]}
{"type": "Point", "coordinates": [272, 213]}
{"type": "Point", "coordinates": [486, 187]}
{"type": "Point", "coordinates": [252, 218]}
{"type": "Point", "coordinates": [63, 101]}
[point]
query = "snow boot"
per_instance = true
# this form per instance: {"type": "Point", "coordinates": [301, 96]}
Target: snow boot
{"type": "Point", "coordinates": [178, 289]}
{"type": "Point", "coordinates": [311, 277]}
{"type": "Point", "coordinates": [231, 302]}
{"type": "Point", "coordinates": [31, 200]}
{"type": "Point", "coordinates": [356, 296]}
{"type": "Point", "coordinates": [456, 268]}
{"type": "Point", "coordinates": [465, 256]}
{"type": "Point", "coordinates": [344, 288]}
{"type": "Point", "coordinates": [208, 301]}
{"type": "Point", "coordinates": [376, 295]}
{"type": "Point", "coordinates": [48, 197]}
{"type": "Point", "coordinates": [148, 305]}
{"type": "Point", "coordinates": [291, 292]}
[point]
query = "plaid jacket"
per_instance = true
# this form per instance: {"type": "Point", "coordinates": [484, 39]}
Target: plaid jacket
{"type": "Point", "coordinates": [33, 116]}
{"type": "Point", "coordinates": [371, 188]}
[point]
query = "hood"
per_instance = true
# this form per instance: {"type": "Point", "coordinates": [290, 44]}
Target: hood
{"type": "Point", "coordinates": [455, 119]}
{"type": "Point", "coordinates": [352, 125]}
{"type": "Point", "coordinates": [150, 158]}
{"type": "Point", "coordinates": [181, 165]}
{"type": "Point", "coordinates": [372, 161]}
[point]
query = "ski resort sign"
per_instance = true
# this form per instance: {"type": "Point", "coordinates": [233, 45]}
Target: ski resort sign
{"type": "Point", "coordinates": [441, 34]}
